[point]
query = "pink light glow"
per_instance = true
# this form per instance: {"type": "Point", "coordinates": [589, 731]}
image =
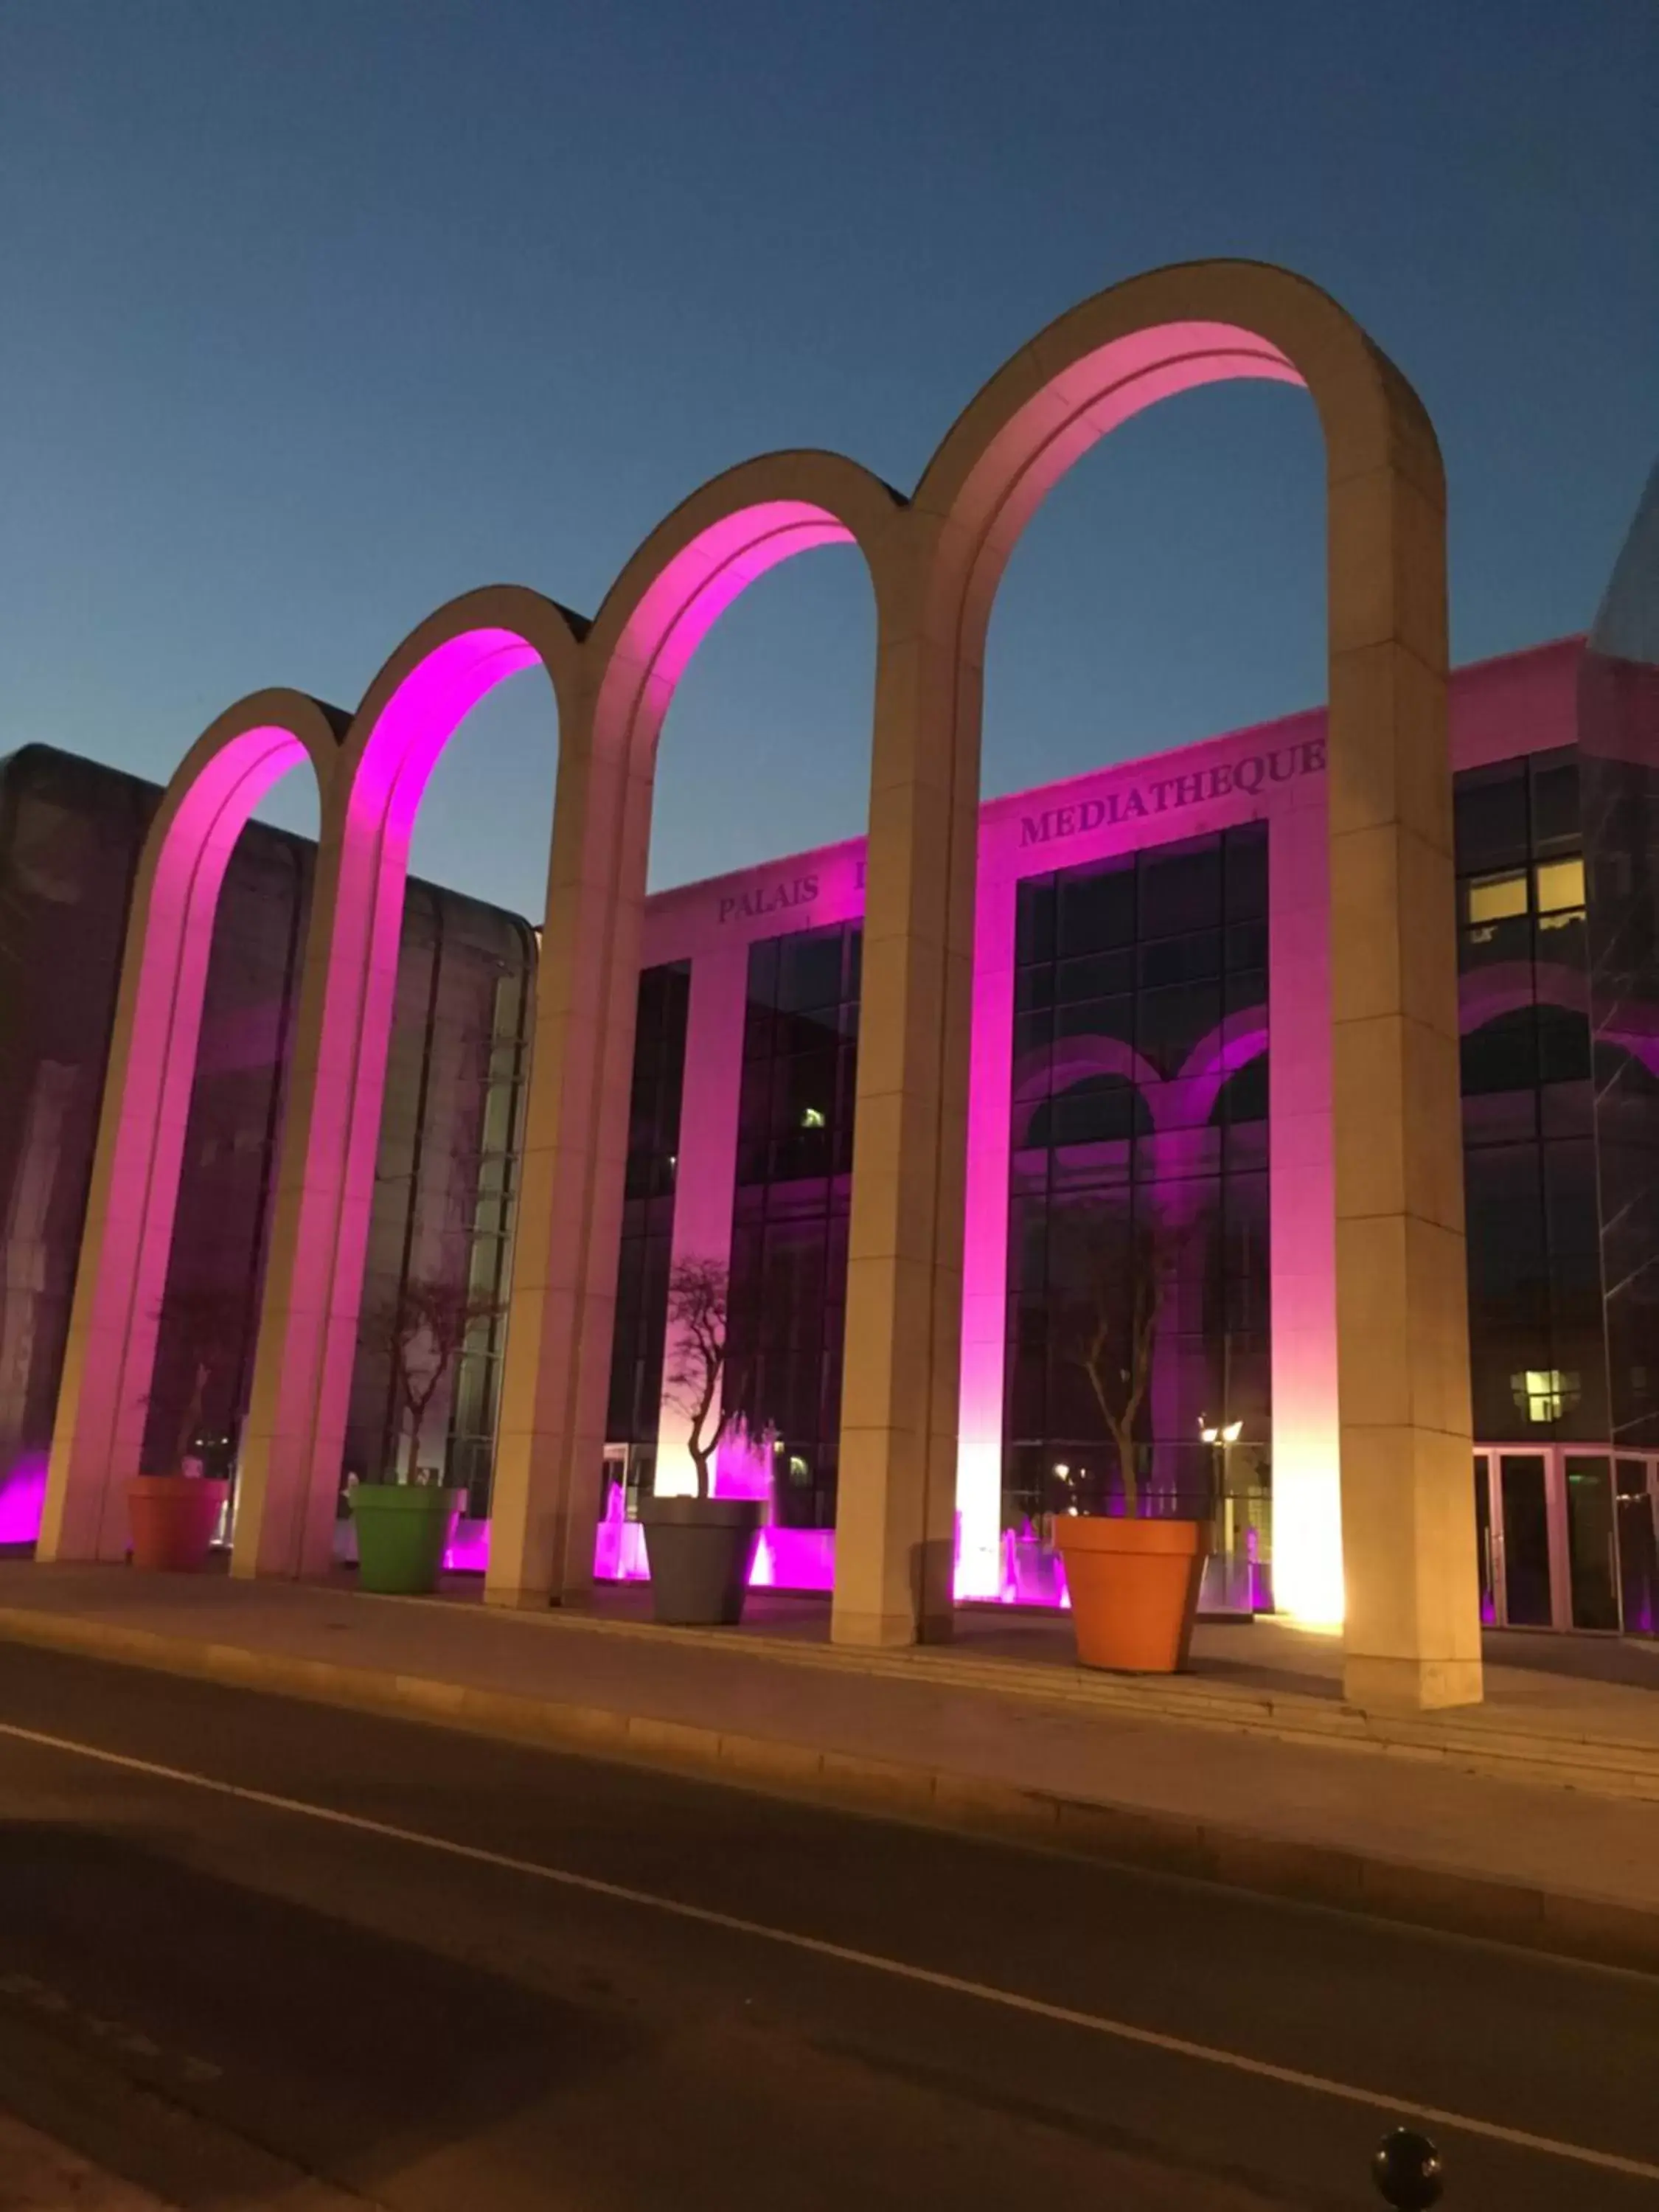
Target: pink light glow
{"type": "Point", "coordinates": [682, 604]}
{"type": "Point", "coordinates": [22, 1495]}
{"type": "Point", "coordinates": [130, 1256]}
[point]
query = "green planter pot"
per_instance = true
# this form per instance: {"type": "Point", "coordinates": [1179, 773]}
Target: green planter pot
{"type": "Point", "coordinates": [404, 1530]}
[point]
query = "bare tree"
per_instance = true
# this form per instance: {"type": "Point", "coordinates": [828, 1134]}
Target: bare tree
{"type": "Point", "coordinates": [1127, 1267]}
{"type": "Point", "coordinates": [214, 1325]}
{"type": "Point", "coordinates": [698, 1294]}
{"type": "Point", "coordinates": [424, 1331]}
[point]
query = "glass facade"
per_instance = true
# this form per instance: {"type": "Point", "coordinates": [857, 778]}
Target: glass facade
{"type": "Point", "coordinates": [794, 1188]}
{"type": "Point", "coordinates": [1138, 1263]}
{"type": "Point", "coordinates": [647, 1231]}
{"type": "Point", "coordinates": [71, 836]}
{"type": "Point", "coordinates": [1535, 1327]}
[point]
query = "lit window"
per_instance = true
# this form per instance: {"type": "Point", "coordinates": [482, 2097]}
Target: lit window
{"type": "Point", "coordinates": [1560, 887]}
{"type": "Point", "coordinates": [1497, 898]}
{"type": "Point", "coordinates": [811, 1117]}
{"type": "Point", "coordinates": [1544, 1393]}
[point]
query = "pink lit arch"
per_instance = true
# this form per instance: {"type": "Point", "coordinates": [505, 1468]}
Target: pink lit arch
{"type": "Point", "coordinates": [111, 1349]}
{"type": "Point", "coordinates": [1389, 790]}
{"type": "Point", "coordinates": [325, 1185]}
{"type": "Point", "coordinates": [671, 592]}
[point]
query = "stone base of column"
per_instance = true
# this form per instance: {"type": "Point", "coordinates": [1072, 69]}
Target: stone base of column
{"type": "Point", "coordinates": [518, 1600]}
{"type": "Point", "coordinates": [877, 1631]}
{"type": "Point", "coordinates": [1409, 1685]}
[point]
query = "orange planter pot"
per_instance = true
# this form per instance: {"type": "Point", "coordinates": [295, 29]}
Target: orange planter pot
{"type": "Point", "coordinates": [1134, 1587]}
{"type": "Point", "coordinates": [172, 1518]}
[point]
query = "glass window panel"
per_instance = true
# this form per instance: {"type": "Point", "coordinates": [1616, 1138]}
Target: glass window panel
{"type": "Point", "coordinates": [1170, 1022]}
{"type": "Point", "coordinates": [1491, 818]}
{"type": "Point", "coordinates": [1034, 989]}
{"type": "Point", "coordinates": [1560, 884]}
{"type": "Point", "coordinates": [1095, 1018]}
{"type": "Point", "coordinates": [809, 970]}
{"type": "Point", "coordinates": [1590, 1543]}
{"type": "Point", "coordinates": [1181, 888]}
{"type": "Point", "coordinates": [1526, 1539]}
{"type": "Point", "coordinates": [1495, 898]}
{"type": "Point", "coordinates": [1501, 1056]}
{"type": "Point", "coordinates": [763, 972]}
{"type": "Point", "coordinates": [1554, 800]}
{"type": "Point", "coordinates": [1097, 908]}
{"type": "Point", "coordinates": [1092, 975]}
{"type": "Point", "coordinates": [1034, 920]}
{"type": "Point", "coordinates": [1246, 852]}
{"type": "Point", "coordinates": [1180, 959]}
{"type": "Point", "coordinates": [1247, 945]}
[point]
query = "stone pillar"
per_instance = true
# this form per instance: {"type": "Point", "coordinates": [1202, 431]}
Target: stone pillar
{"type": "Point", "coordinates": [549, 1455]}
{"type": "Point", "coordinates": [1408, 1543]}
{"type": "Point", "coordinates": [897, 1500]}
{"type": "Point", "coordinates": [1307, 1485]}
{"type": "Point", "coordinates": [705, 1164]}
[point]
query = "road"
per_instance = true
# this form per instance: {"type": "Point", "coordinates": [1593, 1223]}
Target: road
{"type": "Point", "coordinates": [243, 1939]}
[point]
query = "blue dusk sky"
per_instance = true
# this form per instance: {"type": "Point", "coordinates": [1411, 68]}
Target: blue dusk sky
{"type": "Point", "coordinates": [315, 312]}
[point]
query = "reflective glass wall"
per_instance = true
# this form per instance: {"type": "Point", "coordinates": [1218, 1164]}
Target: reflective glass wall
{"type": "Point", "coordinates": [1138, 1255]}
{"type": "Point", "coordinates": [70, 835]}
{"type": "Point", "coordinates": [1536, 1349]}
{"type": "Point", "coordinates": [793, 1197]}
{"type": "Point", "coordinates": [647, 1232]}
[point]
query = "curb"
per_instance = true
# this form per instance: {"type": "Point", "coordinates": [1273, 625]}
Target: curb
{"type": "Point", "coordinates": [1600, 1766]}
{"type": "Point", "coordinates": [1566, 1925]}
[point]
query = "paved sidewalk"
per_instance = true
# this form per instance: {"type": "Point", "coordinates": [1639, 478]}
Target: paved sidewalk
{"type": "Point", "coordinates": [1534, 1817]}
{"type": "Point", "coordinates": [40, 2175]}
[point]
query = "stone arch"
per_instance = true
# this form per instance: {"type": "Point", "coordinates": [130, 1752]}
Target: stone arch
{"type": "Point", "coordinates": [1404, 1538]}
{"type": "Point", "coordinates": [672, 591]}
{"type": "Point", "coordinates": [128, 1236]}
{"type": "Point", "coordinates": [325, 1182]}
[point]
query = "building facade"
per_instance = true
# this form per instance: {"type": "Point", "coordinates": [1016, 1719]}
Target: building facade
{"type": "Point", "coordinates": [1151, 1101]}
{"type": "Point", "coordinates": [70, 835]}
{"type": "Point", "coordinates": [1152, 1085]}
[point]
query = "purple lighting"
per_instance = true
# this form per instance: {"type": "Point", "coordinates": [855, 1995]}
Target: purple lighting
{"type": "Point", "coordinates": [22, 1495]}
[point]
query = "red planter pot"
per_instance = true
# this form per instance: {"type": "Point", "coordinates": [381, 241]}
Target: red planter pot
{"type": "Point", "coordinates": [172, 1518]}
{"type": "Point", "coordinates": [1134, 1587]}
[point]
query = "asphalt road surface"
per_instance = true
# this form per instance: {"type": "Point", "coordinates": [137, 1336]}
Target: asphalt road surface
{"type": "Point", "coordinates": [244, 1940]}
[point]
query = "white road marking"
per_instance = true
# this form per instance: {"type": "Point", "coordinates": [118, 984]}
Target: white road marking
{"type": "Point", "coordinates": [1119, 2030]}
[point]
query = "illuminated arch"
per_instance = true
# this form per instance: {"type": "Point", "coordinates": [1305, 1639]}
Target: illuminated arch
{"type": "Point", "coordinates": [110, 1348]}
{"type": "Point", "coordinates": [1402, 1417]}
{"type": "Point", "coordinates": [691, 567]}
{"type": "Point", "coordinates": [326, 1174]}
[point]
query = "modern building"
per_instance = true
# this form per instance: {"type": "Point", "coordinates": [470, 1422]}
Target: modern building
{"type": "Point", "coordinates": [71, 832]}
{"type": "Point", "coordinates": [1150, 1117]}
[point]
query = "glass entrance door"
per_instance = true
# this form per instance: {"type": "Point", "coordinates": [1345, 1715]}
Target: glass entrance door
{"type": "Point", "coordinates": [1592, 1545]}
{"type": "Point", "coordinates": [1568, 1540]}
{"type": "Point", "coordinates": [1638, 1508]}
{"type": "Point", "coordinates": [1522, 1519]}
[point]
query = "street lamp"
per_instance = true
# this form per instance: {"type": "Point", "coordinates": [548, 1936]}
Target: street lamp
{"type": "Point", "coordinates": [1221, 1437]}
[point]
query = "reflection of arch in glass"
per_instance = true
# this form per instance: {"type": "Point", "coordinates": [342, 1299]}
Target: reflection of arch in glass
{"type": "Point", "coordinates": [122, 1270]}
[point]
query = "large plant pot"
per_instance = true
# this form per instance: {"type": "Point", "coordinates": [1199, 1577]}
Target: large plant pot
{"type": "Point", "coordinates": [1134, 1587]}
{"type": "Point", "coordinates": [700, 1551]}
{"type": "Point", "coordinates": [172, 1518]}
{"type": "Point", "coordinates": [404, 1530]}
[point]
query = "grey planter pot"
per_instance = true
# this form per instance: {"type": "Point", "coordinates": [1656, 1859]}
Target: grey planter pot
{"type": "Point", "coordinates": [701, 1550]}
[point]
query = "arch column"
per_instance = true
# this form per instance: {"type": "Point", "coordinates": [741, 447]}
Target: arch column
{"type": "Point", "coordinates": [109, 1357]}
{"type": "Point", "coordinates": [303, 1363]}
{"type": "Point", "coordinates": [1411, 1627]}
{"type": "Point", "coordinates": [896, 1501]}
{"type": "Point", "coordinates": [550, 1438]}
